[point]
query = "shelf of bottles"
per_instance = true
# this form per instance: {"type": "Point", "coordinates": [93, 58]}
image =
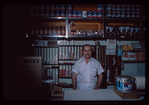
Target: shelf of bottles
{"type": "Point", "coordinates": [121, 14]}
{"type": "Point", "coordinates": [102, 13]}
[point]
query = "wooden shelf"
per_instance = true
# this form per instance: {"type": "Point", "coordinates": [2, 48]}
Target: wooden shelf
{"type": "Point", "coordinates": [133, 61]}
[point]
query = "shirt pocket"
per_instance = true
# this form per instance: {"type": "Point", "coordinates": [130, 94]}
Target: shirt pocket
{"type": "Point", "coordinates": [93, 72]}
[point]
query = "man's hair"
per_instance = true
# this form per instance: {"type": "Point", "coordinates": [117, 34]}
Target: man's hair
{"type": "Point", "coordinates": [86, 45]}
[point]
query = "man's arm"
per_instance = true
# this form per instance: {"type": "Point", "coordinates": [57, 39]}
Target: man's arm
{"type": "Point", "coordinates": [100, 78]}
{"type": "Point", "coordinates": [74, 80]}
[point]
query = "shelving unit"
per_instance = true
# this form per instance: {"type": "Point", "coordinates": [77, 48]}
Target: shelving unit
{"type": "Point", "coordinates": [85, 24]}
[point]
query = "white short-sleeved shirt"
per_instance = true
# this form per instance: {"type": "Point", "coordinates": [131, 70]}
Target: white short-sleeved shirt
{"type": "Point", "coordinates": [87, 73]}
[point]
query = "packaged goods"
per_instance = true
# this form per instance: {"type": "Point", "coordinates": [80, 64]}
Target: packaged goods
{"type": "Point", "coordinates": [125, 83]}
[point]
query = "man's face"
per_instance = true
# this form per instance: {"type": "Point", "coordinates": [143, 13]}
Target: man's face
{"type": "Point", "coordinates": [87, 52]}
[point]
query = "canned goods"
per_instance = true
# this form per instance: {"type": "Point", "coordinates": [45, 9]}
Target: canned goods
{"type": "Point", "coordinates": [118, 14]}
{"type": "Point", "coordinates": [57, 7]}
{"type": "Point", "coordinates": [133, 15]}
{"type": "Point", "coordinates": [79, 14]}
{"type": "Point", "coordinates": [84, 14]}
{"type": "Point", "coordinates": [89, 14]}
{"type": "Point", "coordinates": [109, 7]}
{"type": "Point", "coordinates": [42, 13]}
{"type": "Point", "coordinates": [69, 13]}
{"type": "Point", "coordinates": [118, 7]}
{"type": "Point", "coordinates": [113, 7]}
{"type": "Point", "coordinates": [133, 8]}
{"type": "Point", "coordinates": [69, 7]}
{"type": "Point", "coordinates": [99, 14]}
{"type": "Point", "coordinates": [63, 13]}
{"type": "Point", "coordinates": [137, 8]}
{"type": "Point", "coordinates": [74, 13]}
{"type": "Point", "coordinates": [109, 14]}
{"type": "Point", "coordinates": [128, 8]}
{"type": "Point", "coordinates": [62, 7]}
{"type": "Point", "coordinates": [123, 15]}
{"type": "Point", "coordinates": [52, 14]}
{"type": "Point", "coordinates": [113, 14]}
{"type": "Point", "coordinates": [52, 7]}
{"type": "Point", "coordinates": [123, 7]}
{"type": "Point", "coordinates": [137, 14]}
{"type": "Point", "coordinates": [128, 15]}
{"type": "Point", "coordinates": [57, 13]}
{"type": "Point", "coordinates": [99, 7]}
{"type": "Point", "coordinates": [94, 15]}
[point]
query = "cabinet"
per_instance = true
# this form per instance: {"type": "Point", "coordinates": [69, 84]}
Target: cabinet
{"type": "Point", "coordinates": [47, 23]}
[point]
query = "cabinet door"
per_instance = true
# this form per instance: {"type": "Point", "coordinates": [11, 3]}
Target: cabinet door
{"type": "Point", "coordinates": [133, 69]}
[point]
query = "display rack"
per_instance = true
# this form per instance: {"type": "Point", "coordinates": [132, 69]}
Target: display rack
{"type": "Point", "coordinates": [85, 24]}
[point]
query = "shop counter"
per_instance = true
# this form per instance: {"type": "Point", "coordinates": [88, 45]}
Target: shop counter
{"type": "Point", "coordinates": [93, 95]}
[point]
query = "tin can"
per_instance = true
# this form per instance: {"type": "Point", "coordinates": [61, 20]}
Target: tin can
{"type": "Point", "coordinates": [113, 7]}
{"type": "Point", "coordinates": [74, 13]}
{"type": "Point", "coordinates": [62, 7]}
{"type": "Point", "coordinates": [137, 8]}
{"type": "Point", "coordinates": [109, 6]}
{"type": "Point", "coordinates": [118, 7]}
{"type": "Point", "coordinates": [99, 14]}
{"type": "Point", "coordinates": [99, 7]}
{"type": "Point", "coordinates": [42, 13]}
{"type": "Point", "coordinates": [57, 7]}
{"type": "Point", "coordinates": [69, 13]}
{"type": "Point", "coordinates": [133, 8]}
{"type": "Point", "coordinates": [52, 14]}
{"type": "Point", "coordinates": [57, 13]}
{"type": "Point", "coordinates": [113, 14]}
{"type": "Point", "coordinates": [128, 8]}
{"type": "Point", "coordinates": [52, 7]}
{"type": "Point", "coordinates": [79, 14]}
{"type": "Point", "coordinates": [133, 15]}
{"type": "Point", "coordinates": [109, 14]}
{"type": "Point", "coordinates": [94, 15]}
{"type": "Point", "coordinates": [123, 15]}
{"type": "Point", "coordinates": [47, 14]}
{"type": "Point", "coordinates": [128, 15]}
{"type": "Point", "coordinates": [62, 13]}
{"type": "Point", "coordinates": [84, 14]}
{"type": "Point", "coordinates": [89, 14]}
{"type": "Point", "coordinates": [123, 8]}
{"type": "Point", "coordinates": [137, 14]}
{"type": "Point", "coordinates": [118, 14]}
{"type": "Point", "coordinates": [69, 7]}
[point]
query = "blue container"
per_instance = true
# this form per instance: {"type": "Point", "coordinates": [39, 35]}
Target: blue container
{"type": "Point", "coordinates": [89, 14]}
{"type": "Point", "coordinates": [99, 7]}
{"type": "Point", "coordinates": [79, 14]}
{"type": "Point", "coordinates": [99, 14]}
{"type": "Point", "coordinates": [94, 15]}
{"type": "Point", "coordinates": [74, 13]}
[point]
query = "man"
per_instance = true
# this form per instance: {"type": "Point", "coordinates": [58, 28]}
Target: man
{"type": "Point", "coordinates": [87, 71]}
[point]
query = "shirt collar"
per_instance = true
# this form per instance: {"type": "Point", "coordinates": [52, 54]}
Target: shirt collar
{"type": "Point", "coordinates": [82, 59]}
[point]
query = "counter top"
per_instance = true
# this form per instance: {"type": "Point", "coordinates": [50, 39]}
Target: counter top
{"type": "Point", "coordinates": [93, 95]}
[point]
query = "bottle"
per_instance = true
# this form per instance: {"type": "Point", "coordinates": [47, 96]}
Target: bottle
{"type": "Point", "coordinates": [128, 32]}
{"type": "Point", "coordinates": [52, 30]}
{"type": "Point", "coordinates": [107, 30]}
{"type": "Point", "coordinates": [124, 31]}
{"type": "Point", "coordinates": [111, 29]}
{"type": "Point", "coordinates": [134, 32]}
{"type": "Point", "coordinates": [58, 31]}
{"type": "Point", "coordinates": [63, 30]}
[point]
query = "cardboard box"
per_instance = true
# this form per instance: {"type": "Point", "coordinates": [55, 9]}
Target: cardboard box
{"type": "Point", "coordinates": [134, 95]}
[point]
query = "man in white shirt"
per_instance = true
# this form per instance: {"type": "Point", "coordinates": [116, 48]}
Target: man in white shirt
{"type": "Point", "coordinates": [87, 71]}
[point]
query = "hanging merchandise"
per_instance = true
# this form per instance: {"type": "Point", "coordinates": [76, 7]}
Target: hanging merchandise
{"type": "Point", "coordinates": [111, 47]}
